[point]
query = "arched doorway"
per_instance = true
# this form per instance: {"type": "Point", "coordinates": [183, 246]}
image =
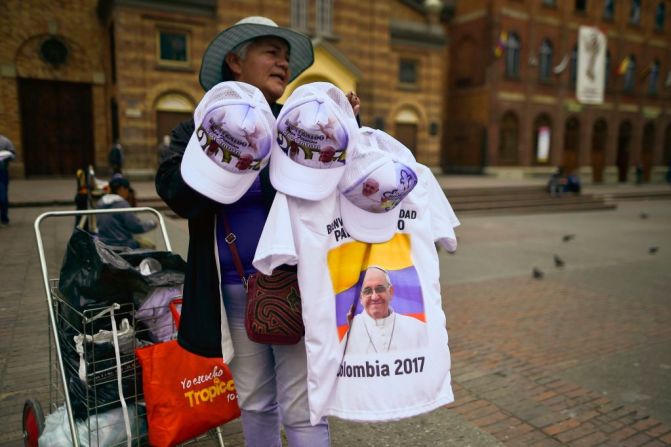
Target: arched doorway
{"type": "Point", "coordinates": [647, 147]}
{"type": "Point", "coordinates": [508, 139]}
{"type": "Point", "coordinates": [571, 144]}
{"type": "Point", "coordinates": [406, 123]}
{"type": "Point", "coordinates": [599, 139]}
{"type": "Point", "coordinates": [171, 109]}
{"type": "Point", "coordinates": [667, 146]}
{"type": "Point", "coordinates": [623, 144]}
{"type": "Point", "coordinates": [57, 130]}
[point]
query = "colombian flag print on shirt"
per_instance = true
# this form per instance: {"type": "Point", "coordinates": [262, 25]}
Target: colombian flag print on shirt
{"type": "Point", "coordinates": [347, 265]}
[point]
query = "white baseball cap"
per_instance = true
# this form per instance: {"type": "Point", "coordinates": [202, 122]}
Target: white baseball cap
{"type": "Point", "coordinates": [315, 130]}
{"type": "Point", "coordinates": [373, 185]}
{"type": "Point", "coordinates": [231, 143]}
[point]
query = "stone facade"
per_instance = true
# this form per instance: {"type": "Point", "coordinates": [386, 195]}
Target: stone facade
{"type": "Point", "coordinates": [486, 106]}
{"type": "Point", "coordinates": [114, 46]}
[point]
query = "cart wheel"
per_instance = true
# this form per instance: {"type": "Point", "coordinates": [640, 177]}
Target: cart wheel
{"type": "Point", "coordinates": [33, 422]}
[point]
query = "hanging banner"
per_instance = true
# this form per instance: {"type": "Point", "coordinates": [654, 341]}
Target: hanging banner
{"type": "Point", "coordinates": [543, 148]}
{"type": "Point", "coordinates": [591, 75]}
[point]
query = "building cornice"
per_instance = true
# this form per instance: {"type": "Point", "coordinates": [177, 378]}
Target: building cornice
{"type": "Point", "coordinates": [198, 7]}
{"type": "Point", "coordinates": [414, 33]}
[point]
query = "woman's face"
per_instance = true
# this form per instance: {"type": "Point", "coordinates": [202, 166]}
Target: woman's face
{"type": "Point", "coordinates": [265, 66]}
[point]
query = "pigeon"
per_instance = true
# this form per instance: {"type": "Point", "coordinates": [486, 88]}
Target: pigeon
{"type": "Point", "coordinates": [537, 273]}
{"type": "Point", "coordinates": [652, 250]}
{"type": "Point", "coordinates": [643, 215]}
{"type": "Point", "coordinates": [568, 237]}
{"type": "Point", "coordinates": [559, 262]}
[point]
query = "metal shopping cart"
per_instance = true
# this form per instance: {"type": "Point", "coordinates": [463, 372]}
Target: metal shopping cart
{"type": "Point", "coordinates": [93, 372]}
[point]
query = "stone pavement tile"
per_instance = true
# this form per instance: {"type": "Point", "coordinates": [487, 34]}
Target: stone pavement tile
{"type": "Point", "coordinates": [659, 431]}
{"type": "Point", "coordinates": [581, 431]}
{"type": "Point", "coordinates": [637, 440]}
{"type": "Point", "coordinates": [531, 438]}
{"type": "Point", "coordinates": [655, 443]}
{"type": "Point", "coordinates": [593, 439]}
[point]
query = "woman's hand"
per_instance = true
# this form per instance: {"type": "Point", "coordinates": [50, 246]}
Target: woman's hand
{"type": "Point", "coordinates": [355, 102]}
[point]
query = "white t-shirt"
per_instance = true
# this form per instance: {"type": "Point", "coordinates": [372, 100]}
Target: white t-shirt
{"type": "Point", "coordinates": [365, 386]}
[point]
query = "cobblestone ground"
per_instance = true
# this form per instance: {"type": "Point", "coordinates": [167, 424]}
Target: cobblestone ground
{"type": "Point", "coordinates": [581, 357]}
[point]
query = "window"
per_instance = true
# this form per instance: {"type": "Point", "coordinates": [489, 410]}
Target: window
{"type": "Point", "coordinates": [545, 63]}
{"type": "Point", "coordinates": [173, 47]}
{"type": "Point", "coordinates": [324, 23]}
{"type": "Point", "coordinates": [574, 65]}
{"type": "Point", "coordinates": [635, 12]}
{"type": "Point", "coordinates": [660, 14]}
{"type": "Point", "coordinates": [508, 139]}
{"type": "Point", "coordinates": [299, 14]}
{"type": "Point", "coordinates": [407, 72]}
{"type": "Point", "coordinates": [513, 56]}
{"type": "Point", "coordinates": [580, 5]}
{"type": "Point", "coordinates": [653, 78]}
{"type": "Point", "coordinates": [609, 9]}
{"type": "Point", "coordinates": [630, 75]}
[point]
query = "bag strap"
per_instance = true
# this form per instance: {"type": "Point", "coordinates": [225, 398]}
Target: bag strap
{"type": "Point", "coordinates": [230, 240]}
{"type": "Point", "coordinates": [119, 374]}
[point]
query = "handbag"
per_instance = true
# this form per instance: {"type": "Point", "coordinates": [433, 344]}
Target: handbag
{"type": "Point", "coordinates": [273, 314]}
{"type": "Point", "coordinates": [186, 394]}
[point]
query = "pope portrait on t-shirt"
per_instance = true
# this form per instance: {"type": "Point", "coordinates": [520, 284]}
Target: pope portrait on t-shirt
{"type": "Point", "coordinates": [378, 328]}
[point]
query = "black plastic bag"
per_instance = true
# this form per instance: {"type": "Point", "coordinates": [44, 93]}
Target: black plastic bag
{"type": "Point", "coordinates": [92, 274]}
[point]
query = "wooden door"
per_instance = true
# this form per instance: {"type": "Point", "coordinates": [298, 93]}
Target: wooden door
{"type": "Point", "coordinates": [599, 140]}
{"type": "Point", "coordinates": [623, 143]}
{"type": "Point", "coordinates": [56, 126]}
{"type": "Point", "coordinates": [406, 133]}
{"type": "Point", "coordinates": [166, 121]}
{"type": "Point", "coordinates": [648, 145]}
{"type": "Point", "coordinates": [571, 145]}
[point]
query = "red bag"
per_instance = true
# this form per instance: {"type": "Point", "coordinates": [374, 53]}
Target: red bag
{"type": "Point", "coordinates": [186, 394]}
{"type": "Point", "coordinates": [274, 313]}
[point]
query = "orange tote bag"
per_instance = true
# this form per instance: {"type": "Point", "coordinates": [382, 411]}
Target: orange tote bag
{"type": "Point", "coordinates": [186, 394]}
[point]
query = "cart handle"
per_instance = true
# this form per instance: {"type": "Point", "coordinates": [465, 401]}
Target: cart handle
{"type": "Point", "coordinates": [45, 278]}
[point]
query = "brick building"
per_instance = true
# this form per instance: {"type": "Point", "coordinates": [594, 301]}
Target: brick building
{"type": "Point", "coordinates": [76, 75]}
{"type": "Point", "coordinates": [512, 84]}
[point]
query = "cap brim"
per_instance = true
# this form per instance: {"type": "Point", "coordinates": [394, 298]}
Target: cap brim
{"type": "Point", "coordinates": [365, 226]}
{"type": "Point", "coordinates": [300, 47]}
{"type": "Point", "coordinates": [204, 176]}
{"type": "Point", "coordinates": [297, 180]}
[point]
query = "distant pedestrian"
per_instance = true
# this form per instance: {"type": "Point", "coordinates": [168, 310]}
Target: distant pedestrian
{"type": "Point", "coordinates": [115, 158]}
{"type": "Point", "coordinates": [118, 229]}
{"type": "Point", "coordinates": [556, 185]}
{"type": "Point", "coordinates": [7, 153]}
{"type": "Point", "coordinates": [639, 173]}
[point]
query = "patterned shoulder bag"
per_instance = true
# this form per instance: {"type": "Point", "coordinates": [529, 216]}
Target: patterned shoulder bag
{"type": "Point", "coordinates": [273, 314]}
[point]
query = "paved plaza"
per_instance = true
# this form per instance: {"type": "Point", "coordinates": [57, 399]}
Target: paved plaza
{"type": "Point", "coordinates": [580, 357]}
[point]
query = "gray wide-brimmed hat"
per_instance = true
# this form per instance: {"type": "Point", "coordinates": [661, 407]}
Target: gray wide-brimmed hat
{"type": "Point", "coordinates": [212, 69]}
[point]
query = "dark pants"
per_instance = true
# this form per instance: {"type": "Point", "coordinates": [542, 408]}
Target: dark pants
{"type": "Point", "coordinates": [4, 196]}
